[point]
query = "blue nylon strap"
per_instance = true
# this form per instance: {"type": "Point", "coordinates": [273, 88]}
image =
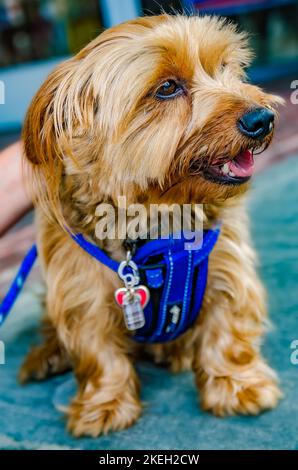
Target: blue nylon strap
{"type": "Point", "coordinates": [156, 247]}
{"type": "Point", "coordinates": [162, 317]}
{"type": "Point", "coordinates": [16, 287]}
{"type": "Point", "coordinates": [187, 295]}
{"type": "Point", "coordinates": [96, 252]}
{"type": "Point", "coordinates": [151, 248]}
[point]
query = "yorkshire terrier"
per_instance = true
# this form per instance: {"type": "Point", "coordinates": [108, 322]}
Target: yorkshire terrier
{"type": "Point", "coordinates": [157, 109]}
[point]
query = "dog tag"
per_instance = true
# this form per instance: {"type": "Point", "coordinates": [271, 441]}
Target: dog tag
{"type": "Point", "coordinates": [133, 312]}
{"type": "Point", "coordinates": [132, 302]}
{"type": "Point", "coordinates": [132, 298]}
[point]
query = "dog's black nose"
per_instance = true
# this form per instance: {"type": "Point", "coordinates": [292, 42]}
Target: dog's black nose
{"type": "Point", "coordinates": [256, 124]}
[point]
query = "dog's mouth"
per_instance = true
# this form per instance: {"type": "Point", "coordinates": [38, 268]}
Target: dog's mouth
{"type": "Point", "coordinates": [236, 171]}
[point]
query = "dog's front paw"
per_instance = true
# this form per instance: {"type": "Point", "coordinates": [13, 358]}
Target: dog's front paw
{"type": "Point", "coordinates": [92, 417]}
{"type": "Point", "coordinates": [42, 362]}
{"type": "Point", "coordinates": [249, 392]}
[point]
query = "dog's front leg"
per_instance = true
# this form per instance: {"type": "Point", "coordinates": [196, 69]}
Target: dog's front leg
{"type": "Point", "coordinates": [108, 393]}
{"type": "Point", "coordinates": [230, 373]}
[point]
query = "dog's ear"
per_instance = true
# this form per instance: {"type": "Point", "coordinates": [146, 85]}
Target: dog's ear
{"type": "Point", "coordinates": [59, 109]}
{"type": "Point", "coordinates": [40, 147]}
{"type": "Point", "coordinates": [38, 129]}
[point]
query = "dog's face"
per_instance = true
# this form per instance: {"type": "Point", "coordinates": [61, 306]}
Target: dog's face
{"type": "Point", "coordinates": [157, 105]}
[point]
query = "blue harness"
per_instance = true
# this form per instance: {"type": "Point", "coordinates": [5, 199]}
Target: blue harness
{"type": "Point", "coordinates": [175, 276]}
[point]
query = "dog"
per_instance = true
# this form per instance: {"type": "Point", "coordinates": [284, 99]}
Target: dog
{"type": "Point", "coordinates": [157, 109]}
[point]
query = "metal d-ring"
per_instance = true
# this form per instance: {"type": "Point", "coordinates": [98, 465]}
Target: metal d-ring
{"type": "Point", "coordinates": [130, 279]}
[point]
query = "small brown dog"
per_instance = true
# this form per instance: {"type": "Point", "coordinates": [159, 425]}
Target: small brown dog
{"type": "Point", "coordinates": [158, 110]}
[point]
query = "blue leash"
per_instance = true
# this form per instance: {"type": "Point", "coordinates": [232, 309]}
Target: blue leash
{"type": "Point", "coordinates": [28, 262]}
{"type": "Point", "coordinates": [17, 285]}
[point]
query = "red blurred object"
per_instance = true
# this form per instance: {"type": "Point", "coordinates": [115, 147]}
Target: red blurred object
{"type": "Point", "coordinates": [224, 3]}
{"type": "Point", "coordinates": [236, 6]}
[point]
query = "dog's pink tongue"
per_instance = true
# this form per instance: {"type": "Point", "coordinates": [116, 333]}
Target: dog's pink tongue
{"type": "Point", "coordinates": [243, 164]}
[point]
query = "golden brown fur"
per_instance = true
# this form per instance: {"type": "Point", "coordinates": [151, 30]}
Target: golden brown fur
{"type": "Point", "coordinates": [96, 131]}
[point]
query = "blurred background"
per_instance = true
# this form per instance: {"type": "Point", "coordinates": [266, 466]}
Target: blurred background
{"type": "Point", "coordinates": [36, 34]}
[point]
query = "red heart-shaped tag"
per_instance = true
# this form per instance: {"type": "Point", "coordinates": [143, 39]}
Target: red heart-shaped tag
{"type": "Point", "coordinates": [144, 295]}
{"type": "Point", "coordinates": [141, 291]}
{"type": "Point", "coordinates": [119, 296]}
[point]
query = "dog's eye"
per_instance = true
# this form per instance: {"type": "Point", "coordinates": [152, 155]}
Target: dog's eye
{"type": "Point", "coordinates": [169, 89]}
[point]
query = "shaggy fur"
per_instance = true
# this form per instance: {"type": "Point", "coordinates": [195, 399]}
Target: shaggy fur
{"type": "Point", "coordinates": [94, 131]}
